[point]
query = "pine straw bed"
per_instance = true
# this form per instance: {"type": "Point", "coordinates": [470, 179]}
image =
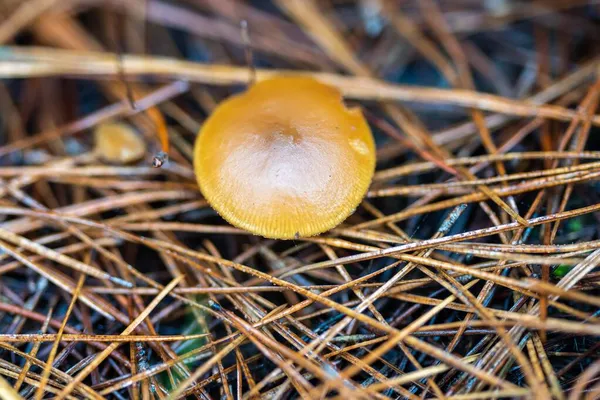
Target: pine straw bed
{"type": "Point", "coordinates": [468, 272]}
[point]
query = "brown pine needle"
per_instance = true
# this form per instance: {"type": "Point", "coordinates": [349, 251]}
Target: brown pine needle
{"type": "Point", "coordinates": [130, 328]}
{"type": "Point", "coordinates": [46, 374]}
{"type": "Point", "coordinates": [7, 392]}
{"type": "Point", "coordinates": [94, 64]}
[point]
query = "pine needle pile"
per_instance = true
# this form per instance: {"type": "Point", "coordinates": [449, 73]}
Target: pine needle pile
{"type": "Point", "coordinates": [469, 271]}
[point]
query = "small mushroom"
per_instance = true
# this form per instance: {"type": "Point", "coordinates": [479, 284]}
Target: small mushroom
{"type": "Point", "coordinates": [285, 159]}
{"type": "Point", "coordinates": [118, 143]}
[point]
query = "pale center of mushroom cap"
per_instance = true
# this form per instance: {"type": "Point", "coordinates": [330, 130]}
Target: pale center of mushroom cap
{"type": "Point", "coordinates": [286, 168]}
{"type": "Point", "coordinates": [282, 135]}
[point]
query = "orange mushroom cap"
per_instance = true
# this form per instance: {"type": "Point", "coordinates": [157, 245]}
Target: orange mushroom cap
{"type": "Point", "coordinates": [117, 142]}
{"type": "Point", "coordinates": [285, 159]}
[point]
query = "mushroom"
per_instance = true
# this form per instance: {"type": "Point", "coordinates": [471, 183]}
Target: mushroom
{"type": "Point", "coordinates": [285, 159]}
{"type": "Point", "coordinates": [118, 143]}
